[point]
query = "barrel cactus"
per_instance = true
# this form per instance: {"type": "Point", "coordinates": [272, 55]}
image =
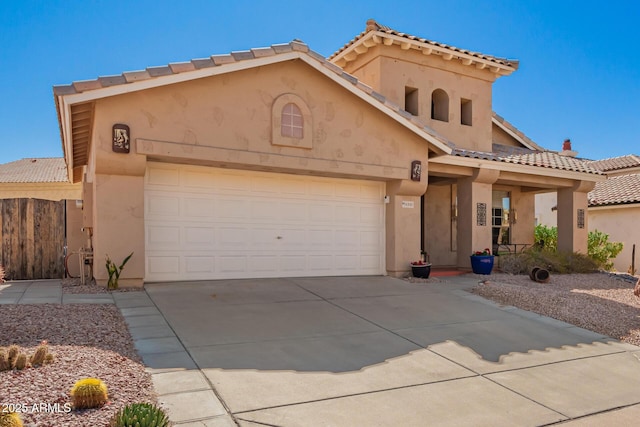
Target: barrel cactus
{"type": "Point", "coordinates": [12, 355]}
{"type": "Point", "coordinates": [140, 415]}
{"type": "Point", "coordinates": [10, 419]}
{"type": "Point", "coordinates": [40, 354]}
{"type": "Point", "coordinates": [21, 362]}
{"type": "Point", "coordinates": [88, 393]}
{"type": "Point", "coordinates": [4, 360]}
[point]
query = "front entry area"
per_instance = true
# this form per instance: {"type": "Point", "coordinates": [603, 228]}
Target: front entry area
{"type": "Point", "coordinates": [213, 223]}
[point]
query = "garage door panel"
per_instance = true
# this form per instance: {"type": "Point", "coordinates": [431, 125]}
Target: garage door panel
{"type": "Point", "coordinates": [263, 264]}
{"type": "Point", "coordinates": [162, 236]}
{"type": "Point", "coordinates": [198, 207]}
{"type": "Point", "coordinates": [199, 265]}
{"type": "Point", "coordinates": [161, 265]}
{"type": "Point", "coordinates": [200, 236]}
{"type": "Point", "coordinates": [232, 208]}
{"type": "Point", "coordinates": [206, 223]}
{"type": "Point", "coordinates": [162, 205]}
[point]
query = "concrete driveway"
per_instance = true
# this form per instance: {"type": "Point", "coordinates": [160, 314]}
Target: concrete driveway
{"type": "Point", "coordinates": [353, 351]}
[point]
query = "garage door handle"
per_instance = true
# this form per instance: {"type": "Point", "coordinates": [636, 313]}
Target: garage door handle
{"type": "Point", "coordinates": [279, 237]}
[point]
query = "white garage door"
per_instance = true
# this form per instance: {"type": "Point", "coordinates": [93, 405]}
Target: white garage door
{"type": "Point", "coordinates": [211, 223]}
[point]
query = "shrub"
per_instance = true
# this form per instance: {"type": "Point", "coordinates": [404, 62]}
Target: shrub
{"type": "Point", "coordinates": [88, 393]}
{"type": "Point", "coordinates": [557, 262]}
{"type": "Point", "coordinates": [602, 250]}
{"type": "Point", "coordinates": [140, 415]}
{"type": "Point", "coordinates": [598, 246]}
{"type": "Point", "coordinates": [10, 419]}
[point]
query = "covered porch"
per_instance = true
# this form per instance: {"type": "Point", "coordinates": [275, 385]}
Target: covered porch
{"type": "Point", "coordinates": [477, 203]}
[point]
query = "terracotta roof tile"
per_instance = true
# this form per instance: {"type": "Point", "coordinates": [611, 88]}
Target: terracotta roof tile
{"type": "Point", "coordinates": [222, 59]}
{"type": "Point", "coordinates": [134, 76]}
{"type": "Point", "coordinates": [181, 67]}
{"type": "Point", "coordinates": [32, 170]}
{"type": "Point", "coordinates": [544, 159]}
{"type": "Point", "coordinates": [617, 190]}
{"type": "Point", "coordinates": [107, 81]}
{"type": "Point", "coordinates": [372, 25]}
{"type": "Point", "coordinates": [616, 163]}
{"type": "Point", "coordinates": [242, 55]}
{"type": "Point", "coordinates": [519, 133]}
{"type": "Point", "coordinates": [262, 52]}
{"type": "Point", "coordinates": [203, 63]}
{"type": "Point", "coordinates": [164, 70]}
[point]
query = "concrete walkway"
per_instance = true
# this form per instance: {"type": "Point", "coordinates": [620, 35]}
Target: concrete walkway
{"type": "Point", "coordinates": [365, 351]}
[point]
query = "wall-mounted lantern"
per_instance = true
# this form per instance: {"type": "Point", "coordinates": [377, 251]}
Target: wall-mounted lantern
{"type": "Point", "coordinates": [121, 138]}
{"type": "Point", "coordinates": [416, 170]}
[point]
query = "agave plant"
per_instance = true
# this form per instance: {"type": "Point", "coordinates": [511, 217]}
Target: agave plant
{"type": "Point", "coordinates": [140, 415]}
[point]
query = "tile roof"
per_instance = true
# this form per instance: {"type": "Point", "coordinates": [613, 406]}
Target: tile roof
{"type": "Point", "coordinates": [32, 170]}
{"type": "Point", "coordinates": [235, 57]}
{"type": "Point", "coordinates": [372, 25]}
{"type": "Point", "coordinates": [617, 190]}
{"type": "Point", "coordinates": [616, 163]}
{"type": "Point", "coordinates": [544, 159]}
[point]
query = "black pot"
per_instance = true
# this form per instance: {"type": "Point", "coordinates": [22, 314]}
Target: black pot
{"type": "Point", "coordinates": [421, 271]}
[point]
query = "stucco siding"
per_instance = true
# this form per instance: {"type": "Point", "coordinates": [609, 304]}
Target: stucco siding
{"type": "Point", "coordinates": [620, 223]}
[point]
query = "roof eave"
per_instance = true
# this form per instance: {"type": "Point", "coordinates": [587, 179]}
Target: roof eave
{"type": "Point", "coordinates": [364, 42]}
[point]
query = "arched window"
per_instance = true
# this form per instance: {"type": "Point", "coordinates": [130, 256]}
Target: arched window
{"type": "Point", "coordinates": [292, 122]}
{"type": "Point", "coordinates": [440, 105]}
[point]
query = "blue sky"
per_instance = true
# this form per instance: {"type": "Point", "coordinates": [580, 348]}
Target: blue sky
{"type": "Point", "coordinates": [579, 74]}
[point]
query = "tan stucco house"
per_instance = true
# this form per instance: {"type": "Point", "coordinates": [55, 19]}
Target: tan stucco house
{"type": "Point", "coordinates": [278, 162]}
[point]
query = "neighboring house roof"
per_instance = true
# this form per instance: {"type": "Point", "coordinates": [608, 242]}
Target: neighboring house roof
{"type": "Point", "coordinates": [81, 93]}
{"type": "Point", "coordinates": [616, 163]}
{"type": "Point", "coordinates": [467, 57]}
{"type": "Point", "coordinates": [34, 170]}
{"type": "Point", "coordinates": [546, 159]}
{"type": "Point", "coordinates": [617, 190]}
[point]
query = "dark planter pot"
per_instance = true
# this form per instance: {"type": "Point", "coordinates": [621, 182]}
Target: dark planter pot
{"type": "Point", "coordinates": [421, 271]}
{"type": "Point", "coordinates": [482, 264]}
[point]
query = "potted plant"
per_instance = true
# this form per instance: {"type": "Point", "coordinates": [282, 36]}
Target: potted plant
{"type": "Point", "coordinates": [482, 261]}
{"type": "Point", "coordinates": [422, 267]}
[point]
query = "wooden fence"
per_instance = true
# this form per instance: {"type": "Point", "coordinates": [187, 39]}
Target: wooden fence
{"type": "Point", "coordinates": [32, 238]}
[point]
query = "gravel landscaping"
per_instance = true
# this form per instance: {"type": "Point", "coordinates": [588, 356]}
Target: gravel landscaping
{"type": "Point", "coordinates": [88, 340]}
{"type": "Point", "coordinates": [600, 302]}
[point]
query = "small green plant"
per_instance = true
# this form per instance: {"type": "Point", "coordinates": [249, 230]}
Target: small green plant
{"type": "Point", "coordinates": [10, 419]}
{"type": "Point", "coordinates": [88, 393]}
{"type": "Point", "coordinates": [140, 415]}
{"type": "Point", "coordinates": [114, 271]}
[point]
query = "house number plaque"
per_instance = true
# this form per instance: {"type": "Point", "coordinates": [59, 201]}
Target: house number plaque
{"type": "Point", "coordinates": [121, 138]}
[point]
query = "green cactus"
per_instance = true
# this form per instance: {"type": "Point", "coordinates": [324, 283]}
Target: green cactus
{"type": "Point", "coordinates": [10, 419]}
{"type": "Point", "coordinates": [88, 393]}
{"type": "Point", "coordinates": [4, 360]}
{"type": "Point", "coordinates": [40, 354]}
{"type": "Point", "coordinates": [140, 415]}
{"type": "Point", "coordinates": [21, 362]}
{"type": "Point", "coordinates": [12, 354]}
{"type": "Point", "coordinates": [48, 359]}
